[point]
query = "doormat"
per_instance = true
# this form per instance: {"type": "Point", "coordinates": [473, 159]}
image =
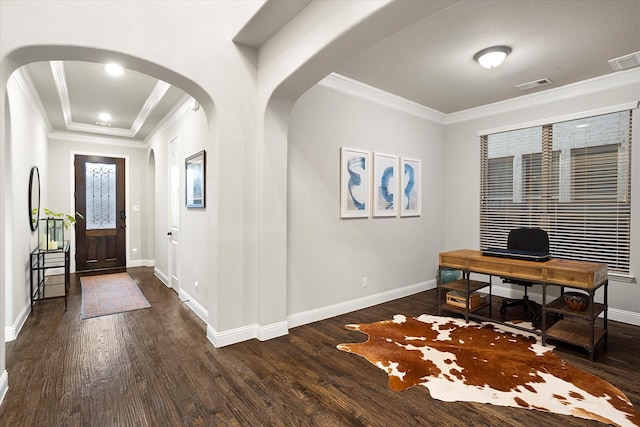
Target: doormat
{"type": "Point", "coordinates": [110, 294]}
{"type": "Point", "coordinates": [487, 363]}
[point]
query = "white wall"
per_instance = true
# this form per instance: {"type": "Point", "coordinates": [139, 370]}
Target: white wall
{"type": "Point", "coordinates": [462, 160]}
{"type": "Point", "coordinates": [196, 235]}
{"type": "Point", "coordinates": [328, 256]}
{"type": "Point", "coordinates": [27, 148]}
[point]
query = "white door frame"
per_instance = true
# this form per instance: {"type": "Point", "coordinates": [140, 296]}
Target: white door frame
{"type": "Point", "coordinates": [174, 213]}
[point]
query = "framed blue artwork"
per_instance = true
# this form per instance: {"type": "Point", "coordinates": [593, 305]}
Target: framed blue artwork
{"type": "Point", "coordinates": [410, 187]}
{"type": "Point", "coordinates": [355, 183]}
{"type": "Point", "coordinates": [385, 185]}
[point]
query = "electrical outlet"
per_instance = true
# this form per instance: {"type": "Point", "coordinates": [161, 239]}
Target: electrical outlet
{"type": "Point", "coordinates": [196, 285]}
{"type": "Point", "coordinates": [135, 251]}
{"type": "Point", "coordinates": [365, 282]}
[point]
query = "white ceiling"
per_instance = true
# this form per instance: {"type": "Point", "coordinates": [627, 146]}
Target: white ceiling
{"type": "Point", "coordinates": [74, 93]}
{"type": "Point", "coordinates": [429, 62]}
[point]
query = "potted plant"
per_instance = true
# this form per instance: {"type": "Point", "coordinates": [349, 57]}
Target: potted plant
{"type": "Point", "coordinates": [51, 228]}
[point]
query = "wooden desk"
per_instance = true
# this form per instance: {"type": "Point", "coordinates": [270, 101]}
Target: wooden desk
{"type": "Point", "coordinates": [586, 276]}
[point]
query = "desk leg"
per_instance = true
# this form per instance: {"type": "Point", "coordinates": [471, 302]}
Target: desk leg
{"type": "Point", "coordinates": [592, 325]}
{"type": "Point", "coordinates": [439, 285]}
{"type": "Point", "coordinates": [544, 314]}
{"type": "Point", "coordinates": [606, 310]}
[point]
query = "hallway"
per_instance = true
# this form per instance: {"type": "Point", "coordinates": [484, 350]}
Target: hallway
{"type": "Point", "coordinates": [155, 367]}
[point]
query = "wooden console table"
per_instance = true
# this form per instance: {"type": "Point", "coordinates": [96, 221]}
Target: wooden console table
{"type": "Point", "coordinates": [575, 327]}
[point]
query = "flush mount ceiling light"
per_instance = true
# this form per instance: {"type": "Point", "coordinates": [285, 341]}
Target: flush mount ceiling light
{"type": "Point", "coordinates": [105, 117]}
{"type": "Point", "coordinates": [114, 69]}
{"type": "Point", "coordinates": [491, 57]}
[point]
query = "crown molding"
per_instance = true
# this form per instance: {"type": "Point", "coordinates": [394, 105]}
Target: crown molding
{"type": "Point", "coordinates": [23, 79]}
{"type": "Point", "coordinates": [355, 88]}
{"type": "Point", "coordinates": [158, 91]}
{"type": "Point", "coordinates": [182, 106]}
{"type": "Point", "coordinates": [95, 139]}
{"type": "Point", "coordinates": [585, 87]}
{"type": "Point", "coordinates": [597, 84]}
{"type": "Point", "coordinates": [60, 80]}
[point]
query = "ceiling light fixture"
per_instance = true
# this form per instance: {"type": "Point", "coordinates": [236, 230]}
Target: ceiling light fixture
{"type": "Point", "coordinates": [491, 57]}
{"type": "Point", "coordinates": [105, 117]}
{"type": "Point", "coordinates": [114, 69]}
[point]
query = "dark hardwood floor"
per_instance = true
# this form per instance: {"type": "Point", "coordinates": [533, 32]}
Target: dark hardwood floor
{"type": "Point", "coordinates": [155, 367]}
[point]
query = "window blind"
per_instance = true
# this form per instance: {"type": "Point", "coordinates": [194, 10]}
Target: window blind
{"type": "Point", "coordinates": [570, 178]}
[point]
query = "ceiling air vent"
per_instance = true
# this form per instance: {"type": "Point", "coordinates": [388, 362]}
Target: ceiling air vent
{"type": "Point", "coordinates": [625, 62]}
{"type": "Point", "coordinates": [535, 83]}
{"type": "Point", "coordinates": [107, 125]}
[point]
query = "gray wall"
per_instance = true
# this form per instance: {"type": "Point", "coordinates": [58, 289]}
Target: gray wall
{"type": "Point", "coordinates": [327, 256]}
{"type": "Point", "coordinates": [27, 148]}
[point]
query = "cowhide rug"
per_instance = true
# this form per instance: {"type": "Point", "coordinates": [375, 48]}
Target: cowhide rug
{"type": "Point", "coordinates": [487, 363]}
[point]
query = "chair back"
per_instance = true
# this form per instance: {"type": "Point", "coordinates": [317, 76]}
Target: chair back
{"type": "Point", "coordinates": [528, 239]}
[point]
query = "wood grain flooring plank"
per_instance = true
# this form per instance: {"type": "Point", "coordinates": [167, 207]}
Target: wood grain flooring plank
{"type": "Point", "coordinates": [155, 367]}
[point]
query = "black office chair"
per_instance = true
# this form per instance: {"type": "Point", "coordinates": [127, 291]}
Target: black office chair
{"type": "Point", "coordinates": [525, 239]}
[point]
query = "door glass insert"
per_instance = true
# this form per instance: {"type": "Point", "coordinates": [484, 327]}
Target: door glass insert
{"type": "Point", "coordinates": [101, 196]}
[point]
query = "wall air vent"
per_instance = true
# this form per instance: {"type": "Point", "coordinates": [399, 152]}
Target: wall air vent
{"type": "Point", "coordinates": [533, 84]}
{"type": "Point", "coordinates": [625, 62]}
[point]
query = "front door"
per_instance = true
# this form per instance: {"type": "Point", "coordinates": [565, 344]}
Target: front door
{"type": "Point", "coordinates": [100, 198]}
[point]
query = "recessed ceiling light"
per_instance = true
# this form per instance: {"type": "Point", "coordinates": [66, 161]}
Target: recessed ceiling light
{"type": "Point", "coordinates": [584, 125]}
{"type": "Point", "coordinates": [491, 57]}
{"type": "Point", "coordinates": [114, 69]}
{"type": "Point", "coordinates": [105, 117]}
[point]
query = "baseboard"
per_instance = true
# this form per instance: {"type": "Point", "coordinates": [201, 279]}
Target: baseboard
{"type": "Point", "coordinates": [11, 332]}
{"type": "Point", "coordinates": [150, 263]}
{"type": "Point", "coordinates": [623, 316]}
{"type": "Point", "coordinates": [263, 333]}
{"type": "Point", "coordinates": [161, 276]}
{"type": "Point", "coordinates": [4, 385]}
{"type": "Point", "coordinates": [244, 333]}
{"type": "Point", "coordinates": [323, 313]}
{"type": "Point", "coordinates": [195, 306]}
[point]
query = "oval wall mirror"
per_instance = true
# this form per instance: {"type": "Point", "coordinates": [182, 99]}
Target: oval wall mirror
{"type": "Point", "coordinates": [34, 198]}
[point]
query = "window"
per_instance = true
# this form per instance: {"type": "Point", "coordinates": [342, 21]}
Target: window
{"type": "Point", "coordinates": [571, 179]}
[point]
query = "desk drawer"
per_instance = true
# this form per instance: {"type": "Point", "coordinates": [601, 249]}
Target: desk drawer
{"type": "Point", "coordinates": [498, 267]}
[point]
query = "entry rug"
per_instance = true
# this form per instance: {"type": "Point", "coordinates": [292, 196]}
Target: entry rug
{"type": "Point", "coordinates": [487, 363]}
{"type": "Point", "coordinates": [110, 294]}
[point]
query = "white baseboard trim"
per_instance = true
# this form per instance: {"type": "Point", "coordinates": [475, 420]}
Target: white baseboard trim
{"type": "Point", "coordinates": [4, 385]}
{"type": "Point", "coordinates": [194, 305]}
{"type": "Point", "coordinates": [624, 316]}
{"type": "Point", "coordinates": [11, 332]}
{"type": "Point", "coordinates": [142, 263]}
{"type": "Point", "coordinates": [322, 313]}
{"type": "Point", "coordinates": [263, 333]}
{"type": "Point", "coordinates": [616, 314]}
{"type": "Point", "coordinates": [161, 276]}
{"type": "Point", "coordinates": [244, 333]}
